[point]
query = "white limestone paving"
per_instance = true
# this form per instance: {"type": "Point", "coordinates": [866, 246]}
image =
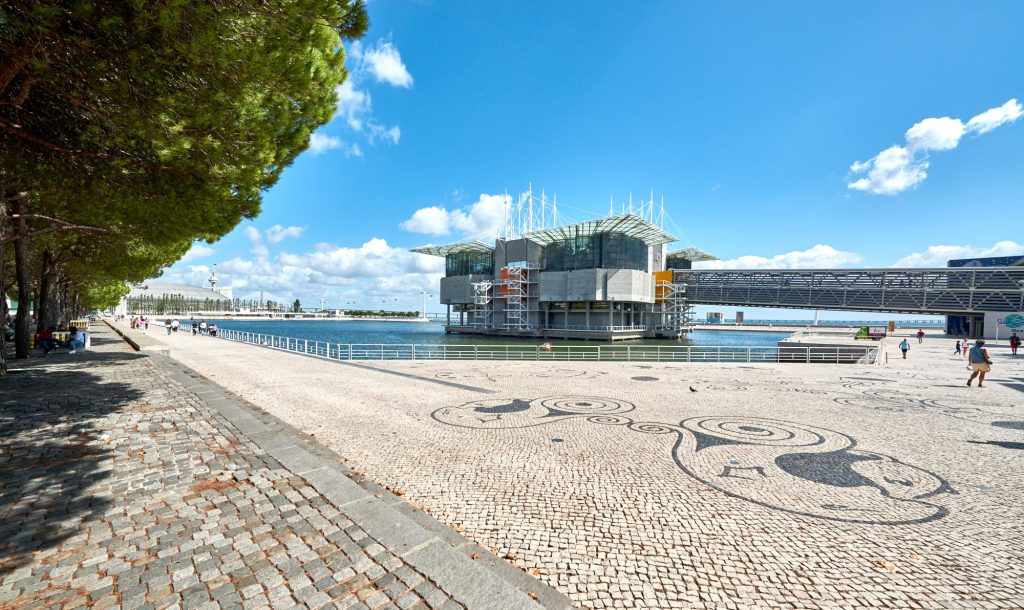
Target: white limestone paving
{"type": "Point", "coordinates": [671, 485]}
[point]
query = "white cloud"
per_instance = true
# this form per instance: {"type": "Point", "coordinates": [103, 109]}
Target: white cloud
{"type": "Point", "coordinates": [892, 171]}
{"type": "Point", "coordinates": [480, 220]}
{"type": "Point", "coordinates": [253, 235]}
{"type": "Point", "coordinates": [900, 168]}
{"type": "Point", "coordinates": [363, 275]}
{"type": "Point", "coordinates": [197, 250]}
{"type": "Point", "coordinates": [384, 62]}
{"type": "Point", "coordinates": [320, 143]}
{"type": "Point", "coordinates": [935, 134]}
{"type": "Point", "coordinates": [820, 256]}
{"type": "Point", "coordinates": [353, 104]}
{"type": "Point", "coordinates": [936, 256]}
{"type": "Point", "coordinates": [379, 132]}
{"type": "Point", "coordinates": [276, 234]}
{"type": "Point", "coordinates": [995, 117]}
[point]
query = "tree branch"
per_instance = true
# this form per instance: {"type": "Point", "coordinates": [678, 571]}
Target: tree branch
{"type": "Point", "coordinates": [18, 132]}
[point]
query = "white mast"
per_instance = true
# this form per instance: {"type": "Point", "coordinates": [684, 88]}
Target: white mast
{"type": "Point", "coordinates": [543, 208]}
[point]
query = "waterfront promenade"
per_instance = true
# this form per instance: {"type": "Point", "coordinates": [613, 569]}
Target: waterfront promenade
{"type": "Point", "coordinates": [129, 481]}
{"type": "Point", "coordinates": [629, 485]}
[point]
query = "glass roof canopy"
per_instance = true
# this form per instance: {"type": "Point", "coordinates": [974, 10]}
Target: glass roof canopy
{"type": "Point", "coordinates": [630, 225]}
{"type": "Point", "coordinates": [456, 248]}
{"type": "Point", "coordinates": [695, 255]}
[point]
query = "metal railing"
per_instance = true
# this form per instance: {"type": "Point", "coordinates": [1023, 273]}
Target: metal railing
{"type": "Point", "coordinates": [578, 353]}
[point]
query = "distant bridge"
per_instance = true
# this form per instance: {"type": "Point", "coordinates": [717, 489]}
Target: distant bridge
{"type": "Point", "coordinates": [946, 290]}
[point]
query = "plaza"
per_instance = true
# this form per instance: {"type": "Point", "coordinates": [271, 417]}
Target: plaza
{"type": "Point", "coordinates": [654, 485]}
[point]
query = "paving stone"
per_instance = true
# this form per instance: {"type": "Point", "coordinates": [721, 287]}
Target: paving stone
{"type": "Point", "coordinates": [769, 485]}
{"type": "Point", "coordinates": [123, 485]}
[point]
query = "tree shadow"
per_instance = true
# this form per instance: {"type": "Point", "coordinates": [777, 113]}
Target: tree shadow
{"type": "Point", "coordinates": [52, 453]}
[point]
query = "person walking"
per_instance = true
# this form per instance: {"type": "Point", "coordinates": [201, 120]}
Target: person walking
{"type": "Point", "coordinates": [1014, 343]}
{"type": "Point", "coordinates": [980, 362]}
{"type": "Point", "coordinates": [905, 347]}
{"type": "Point", "coordinates": [967, 350]}
{"type": "Point", "coordinates": [956, 352]}
{"type": "Point", "coordinates": [167, 325]}
{"type": "Point", "coordinates": [920, 335]}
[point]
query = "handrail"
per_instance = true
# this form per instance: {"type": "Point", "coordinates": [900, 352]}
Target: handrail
{"type": "Point", "coordinates": [570, 353]}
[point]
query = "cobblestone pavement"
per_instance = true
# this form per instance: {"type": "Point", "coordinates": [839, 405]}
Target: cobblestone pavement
{"type": "Point", "coordinates": [123, 485]}
{"type": "Point", "coordinates": [689, 486]}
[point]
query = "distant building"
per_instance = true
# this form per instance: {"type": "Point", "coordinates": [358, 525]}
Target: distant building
{"type": "Point", "coordinates": [169, 298]}
{"type": "Point", "coordinates": [987, 324]}
{"type": "Point", "coordinates": [604, 279]}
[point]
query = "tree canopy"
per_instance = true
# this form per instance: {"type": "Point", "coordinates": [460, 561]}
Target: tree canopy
{"type": "Point", "coordinates": [131, 128]}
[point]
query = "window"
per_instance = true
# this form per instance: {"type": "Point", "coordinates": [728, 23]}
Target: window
{"type": "Point", "coordinates": [598, 251]}
{"type": "Point", "coordinates": [469, 263]}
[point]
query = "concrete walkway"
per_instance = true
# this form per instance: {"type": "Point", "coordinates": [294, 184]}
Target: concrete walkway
{"type": "Point", "coordinates": [129, 481]}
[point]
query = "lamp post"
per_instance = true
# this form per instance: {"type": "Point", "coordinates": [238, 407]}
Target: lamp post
{"type": "Point", "coordinates": [423, 312]}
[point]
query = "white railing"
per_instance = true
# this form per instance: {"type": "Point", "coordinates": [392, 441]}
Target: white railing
{"type": "Point", "coordinates": [604, 352]}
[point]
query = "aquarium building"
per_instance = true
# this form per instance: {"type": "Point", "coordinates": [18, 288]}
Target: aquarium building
{"type": "Point", "coordinates": [605, 279]}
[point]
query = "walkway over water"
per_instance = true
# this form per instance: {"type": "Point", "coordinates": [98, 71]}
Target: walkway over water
{"type": "Point", "coordinates": [932, 291]}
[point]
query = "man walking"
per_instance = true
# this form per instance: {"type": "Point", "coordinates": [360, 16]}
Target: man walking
{"type": "Point", "coordinates": [1014, 343]}
{"type": "Point", "coordinates": [904, 347]}
{"type": "Point", "coordinates": [980, 362]}
{"type": "Point", "coordinates": [920, 335]}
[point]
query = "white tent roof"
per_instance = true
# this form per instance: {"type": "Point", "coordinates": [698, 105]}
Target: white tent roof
{"type": "Point", "coordinates": [629, 224]}
{"type": "Point", "coordinates": [692, 254]}
{"type": "Point", "coordinates": [462, 246]}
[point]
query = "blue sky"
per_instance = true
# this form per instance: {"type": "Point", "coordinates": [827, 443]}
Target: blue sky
{"type": "Point", "coordinates": [780, 135]}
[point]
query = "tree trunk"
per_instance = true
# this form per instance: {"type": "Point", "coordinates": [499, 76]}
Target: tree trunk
{"type": "Point", "coordinates": [21, 329]}
{"type": "Point", "coordinates": [4, 314]}
{"type": "Point", "coordinates": [48, 312]}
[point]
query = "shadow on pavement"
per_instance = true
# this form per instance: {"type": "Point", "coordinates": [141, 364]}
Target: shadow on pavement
{"type": "Point", "coordinates": [51, 451]}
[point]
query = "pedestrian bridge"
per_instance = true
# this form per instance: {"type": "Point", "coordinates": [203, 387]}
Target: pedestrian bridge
{"type": "Point", "coordinates": [946, 290]}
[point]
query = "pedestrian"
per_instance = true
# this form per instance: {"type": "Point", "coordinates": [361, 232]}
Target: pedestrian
{"type": "Point", "coordinates": [174, 325]}
{"type": "Point", "coordinates": [920, 335]}
{"type": "Point", "coordinates": [202, 327]}
{"type": "Point", "coordinates": [1014, 343]}
{"type": "Point", "coordinates": [956, 352]}
{"type": "Point", "coordinates": [980, 362]}
{"type": "Point", "coordinates": [966, 347]}
{"type": "Point", "coordinates": [167, 325]}
{"type": "Point", "coordinates": [905, 347]}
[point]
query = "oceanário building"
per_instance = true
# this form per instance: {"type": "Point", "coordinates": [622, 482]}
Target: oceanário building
{"type": "Point", "coordinates": [605, 279]}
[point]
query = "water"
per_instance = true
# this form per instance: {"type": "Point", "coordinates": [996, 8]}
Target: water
{"type": "Point", "coordinates": [407, 333]}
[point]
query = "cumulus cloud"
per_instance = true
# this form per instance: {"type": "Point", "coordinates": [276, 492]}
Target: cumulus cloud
{"type": "Point", "coordinates": [384, 62]}
{"type": "Point", "coordinates": [320, 143]}
{"type": "Point", "coordinates": [900, 168]}
{"type": "Point", "coordinates": [820, 256]}
{"type": "Point", "coordinates": [276, 234]}
{"type": "Point", "coordinates": [480, 220]}
{"type": "Point", "coordinates": [355, 276]}
{"type": "Point", "coordinates": [936, 256]}
{"type": "Point", "coordinates": [196, 251]}
{"type": "Point", "coordinates": [353, 104]}
{"type": "Point", "coordinates": [995, 117]}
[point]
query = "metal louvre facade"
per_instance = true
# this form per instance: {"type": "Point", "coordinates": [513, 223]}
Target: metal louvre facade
{"type": "Point", "coordinates": [949, 290]}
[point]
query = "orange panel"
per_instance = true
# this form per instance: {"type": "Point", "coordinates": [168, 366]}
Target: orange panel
{"type": "Point", "coordinates": [661, 277]}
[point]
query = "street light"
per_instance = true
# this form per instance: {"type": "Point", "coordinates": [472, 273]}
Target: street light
{"type": "Point", "coordinates": [423, 312]}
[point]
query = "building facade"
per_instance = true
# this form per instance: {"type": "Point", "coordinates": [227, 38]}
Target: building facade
{"type": "Point", "coordinates": [606, 279]}
{"type": "Point", "coordinates": [987, 324]}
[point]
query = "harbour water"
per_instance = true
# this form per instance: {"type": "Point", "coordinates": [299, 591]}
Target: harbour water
{"type": "Point", "coordinates": [420, 333]}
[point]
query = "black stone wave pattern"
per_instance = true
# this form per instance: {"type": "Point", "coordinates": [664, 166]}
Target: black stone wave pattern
{"type": "Point", "coordinates": [781, 465]}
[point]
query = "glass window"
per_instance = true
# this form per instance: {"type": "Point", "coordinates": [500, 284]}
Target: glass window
{"type": "Point", "coordinates": [469, 263]}
{"type": "Point", "coordinates": [598, 251]}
